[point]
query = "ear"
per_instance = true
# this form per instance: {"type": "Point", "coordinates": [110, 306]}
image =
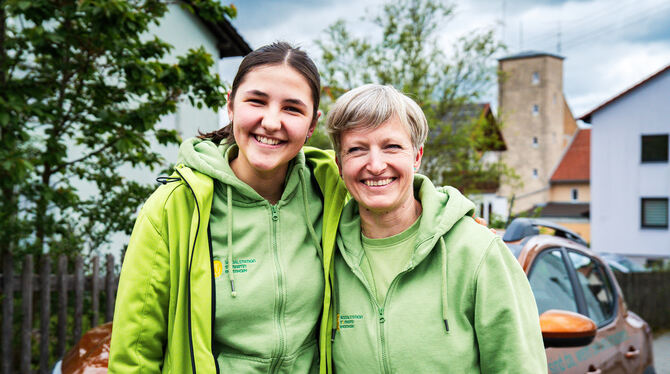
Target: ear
{"type": "Point", "coordinates": [417, 160]}
{"type": "Point", "coordinates": [312, 127]}
{"type": "Point", "coordinates": [229, 107]}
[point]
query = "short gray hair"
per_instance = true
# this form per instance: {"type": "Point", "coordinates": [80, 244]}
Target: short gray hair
{"type": "Point", "coordinates": [371, 105]}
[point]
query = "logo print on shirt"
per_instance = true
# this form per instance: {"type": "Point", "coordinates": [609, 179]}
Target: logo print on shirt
{"type": "Point", "coordinates": [218, 268]}
{"type": "Point", "coordinates": [347, 321]}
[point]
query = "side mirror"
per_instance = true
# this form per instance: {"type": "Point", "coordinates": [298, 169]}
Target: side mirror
{"type": "Point", "coordinates": [561, 328]}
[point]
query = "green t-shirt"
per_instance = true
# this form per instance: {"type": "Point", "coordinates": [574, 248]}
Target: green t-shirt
{"type": "Point", "coordinates": [385, 258]}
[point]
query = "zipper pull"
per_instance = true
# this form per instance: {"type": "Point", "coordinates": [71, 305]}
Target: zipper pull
{"type": "Point", "coordinates": [381, 316]}
{"type": "Point", "coordinates": [275, 215]}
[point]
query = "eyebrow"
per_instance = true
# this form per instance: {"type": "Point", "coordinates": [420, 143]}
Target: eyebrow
{"type": "Point", "coordinates": [265, 95]}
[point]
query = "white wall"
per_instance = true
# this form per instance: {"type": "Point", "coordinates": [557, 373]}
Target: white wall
{"type": "Point", "coordinates": [619, 179]}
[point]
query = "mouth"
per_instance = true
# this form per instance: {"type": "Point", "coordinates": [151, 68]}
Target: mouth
{"type": "Point", "coordinates": [378, 182]}
{"type": "Point", "coordinates": [266, 140]}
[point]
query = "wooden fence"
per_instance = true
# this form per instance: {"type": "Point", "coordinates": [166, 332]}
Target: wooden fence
{"type": "Point", "coordinates": [35, 290]}
{"type": "Point", "coordinates": [648, 295]}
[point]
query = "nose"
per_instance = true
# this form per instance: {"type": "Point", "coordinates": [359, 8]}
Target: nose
{"type": "Point", "coordinates": [376, 164]}
{"type": "Point", "coordinates": [271, 120]}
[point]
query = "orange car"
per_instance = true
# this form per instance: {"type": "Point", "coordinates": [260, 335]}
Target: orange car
{"type": "Point", "coordinates": [569, 282]}
{"type": "Point", "coordinates": [585, 323]}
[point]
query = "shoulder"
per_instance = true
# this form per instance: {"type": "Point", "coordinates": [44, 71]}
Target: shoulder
{"type": "Point", "coordinates": [173, 195]}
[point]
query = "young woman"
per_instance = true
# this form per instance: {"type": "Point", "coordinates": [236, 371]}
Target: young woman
{"type": "Point", "coordinates": [419, 286]}
{"type": "Point", "coordinates": [226, 269]}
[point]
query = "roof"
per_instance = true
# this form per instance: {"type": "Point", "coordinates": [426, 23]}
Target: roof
{"type": "Point", "coordinates": [575, 165]}
{"type": "Point", "coordinates": [587, 117]}
{"type": "Point", "coordinates": [562, 210]}
{"type": "Point", "coordinates": [530, 54]}
{"type": "Point", "coordinates": [228, 41]}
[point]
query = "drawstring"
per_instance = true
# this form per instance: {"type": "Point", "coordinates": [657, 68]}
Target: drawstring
{"type": "Point", "coordinates": [231, 276]}
{"type": "Point", "coordinates": [444, 283]}
{"type": "Point", "coordinates": [305, 204]}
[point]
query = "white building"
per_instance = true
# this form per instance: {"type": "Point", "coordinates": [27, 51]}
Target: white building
{"type": "Point", "coordinates": [630, 172]}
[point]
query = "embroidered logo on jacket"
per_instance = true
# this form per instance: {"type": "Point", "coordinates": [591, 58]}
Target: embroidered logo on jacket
{"type": "Point", "coordinates": [348, 321]}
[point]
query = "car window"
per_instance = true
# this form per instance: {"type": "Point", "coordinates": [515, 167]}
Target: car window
{"type": "Point", "coordinates": [550, 282]}
{"type": "Point", "coordinates": [596, 287]}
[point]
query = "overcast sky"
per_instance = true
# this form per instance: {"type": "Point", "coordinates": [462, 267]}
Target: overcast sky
{"type": "Point", "coordinates": [608, 45]}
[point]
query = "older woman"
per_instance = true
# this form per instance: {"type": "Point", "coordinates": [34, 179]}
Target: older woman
{"type": "Point", "coordinates": [419, 286]}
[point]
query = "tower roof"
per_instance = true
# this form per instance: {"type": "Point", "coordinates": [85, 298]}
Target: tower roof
{"type": "Point", "coordinates": [530, 54]}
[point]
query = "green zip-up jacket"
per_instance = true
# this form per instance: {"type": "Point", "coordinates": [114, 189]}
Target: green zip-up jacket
{"type": "Point", "coordinates": [462, 304]}
{"type": "Point", "coordinates": [165, 309]}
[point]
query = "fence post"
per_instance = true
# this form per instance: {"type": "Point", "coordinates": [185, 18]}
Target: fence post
{"type": "Point", "coordinates": [62, 305]}
{"type": "Point", "coordinates": [109, 313]}
{"type": "Point", "coordinates": [7, 314]}
{"type": "Point", "coordinates": [95, 290]}
{"type": "Point", "coordinates": [45, 313]}
{"type": "Point", "coordinates": [78, 296]}
{"type": "Point", "coordinates": [26, 313]}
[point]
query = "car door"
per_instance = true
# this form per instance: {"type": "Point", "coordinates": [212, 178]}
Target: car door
{"type": "Point", "coordinates": [596, 299]}
{"type": "Point", "coordinates": [559, 280]}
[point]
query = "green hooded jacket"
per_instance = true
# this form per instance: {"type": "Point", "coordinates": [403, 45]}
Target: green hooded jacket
{"type": "Point", "coordinates": [165, 309]}
{"type": "Point", "coordinates": [462, 304]}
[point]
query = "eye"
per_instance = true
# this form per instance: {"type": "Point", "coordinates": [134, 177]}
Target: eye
{"type": "Point", "coordinates": [354, 149]}
{"type": "Point", "coordinates": [254, 100]}
{"type": "Point", "coordinates": [394, 146]}
{"type": "Point", "coordinates": [294, 109]}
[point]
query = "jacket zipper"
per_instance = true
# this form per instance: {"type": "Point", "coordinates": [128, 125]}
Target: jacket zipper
{"type": "Point", "coordinates": [386, 368]}
{"type": "Point", "coordinates": [188, 278]}
{"type": "Point", "coordinates": [276, 363]}
{"type": "Point", "coordinates": [211, 268]}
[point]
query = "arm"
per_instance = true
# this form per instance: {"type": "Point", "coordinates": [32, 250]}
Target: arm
{"type": "Point", "coordinates": [506, 319]}
{"type": "Point", "coordinates": [139, 331]}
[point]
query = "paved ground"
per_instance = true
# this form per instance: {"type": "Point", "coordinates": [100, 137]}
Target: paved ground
{"type": "Point", "coordinates": [662, 353]}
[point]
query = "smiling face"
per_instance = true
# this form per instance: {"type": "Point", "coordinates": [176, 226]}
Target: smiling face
{"type": "Point", "coordinates": [377, 166]}
{"type": "Point", "coordinates": [272, 114]}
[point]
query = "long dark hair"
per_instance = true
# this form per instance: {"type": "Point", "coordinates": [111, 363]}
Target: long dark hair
{"type": "Point", "coordinates": [277, 53]}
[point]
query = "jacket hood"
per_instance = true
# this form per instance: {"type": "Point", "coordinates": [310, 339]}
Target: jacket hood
{"type": "Point", "coordinates": [442, 208]}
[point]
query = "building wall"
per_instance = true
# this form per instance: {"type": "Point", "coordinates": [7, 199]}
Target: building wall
{"type": "Point", "coordinates": [619, 179]}
{"type": "Point", "coordinates": [563, 192]}
{"type": "Point", "coordinates": [517, 96]}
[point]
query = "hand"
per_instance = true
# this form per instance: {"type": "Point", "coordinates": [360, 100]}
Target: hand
{"type": "Point", "coordinates": [482, 222]}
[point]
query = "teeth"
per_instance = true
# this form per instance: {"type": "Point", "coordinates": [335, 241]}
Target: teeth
{"type": "Point", "coordinates": [266, 140]}
{"type": "Point", "coordinates": [382, 182]}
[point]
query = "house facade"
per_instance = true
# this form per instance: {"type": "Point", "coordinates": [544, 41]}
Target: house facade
{"type": "Point", "coordinates": [569, 187]}
{"type": "Point", "coordinates": [630, 170]}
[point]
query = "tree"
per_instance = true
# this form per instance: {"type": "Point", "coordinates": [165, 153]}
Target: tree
{"type": "Point", "coordinates": [406, 54]}
{"type": "Point", "coordinates": [82, 86]}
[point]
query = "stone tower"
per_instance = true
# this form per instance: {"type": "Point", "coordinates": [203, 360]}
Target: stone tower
{"type": "Point", "coordinates": [536, 124]}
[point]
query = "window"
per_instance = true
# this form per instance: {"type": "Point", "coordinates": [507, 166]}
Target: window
{"type": "Point", "coordinates": [575, 194]}
{"type": "Point", "coordinates": [535, 141]}
{"type": "Point", "coordinates": [536, 78]}
{"type": "Point", "coordinates": [655, 148]}
{"type": "Point", "coordinates": [655, 212]}
{"type": "Point", "coordinates": [595, 286]}
{"type": "Point", "coordinates": [534, 173]}
{"type": "Point", "coordinates": [536, 109]}
{"type": "Point", "coordinates": [550, 282]}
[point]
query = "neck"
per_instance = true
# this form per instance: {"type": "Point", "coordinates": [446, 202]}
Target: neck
{"type": "Point", "coordinates": [269, 185]}
{"type": "Point", "coordinates": [377, 225]}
